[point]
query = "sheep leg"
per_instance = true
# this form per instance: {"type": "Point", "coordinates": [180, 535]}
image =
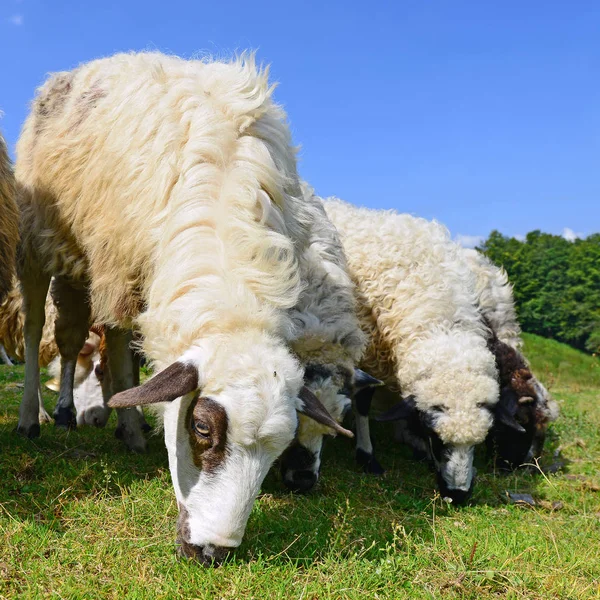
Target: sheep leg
{"type": "Point", "coordinates": [136, 381]}
{"type": "Point", "coordinates": [71, 331]}
{"type": "Point", "coordinates": [34, 285]}
{"type": "Point", "coordinates": [44, 417]}
{"type": "Point", "coordinates": [5, 359]}
{"type": "Point", "coordinates": [364, 447]}
{"type": "Point", "coordinates": [122, 367]}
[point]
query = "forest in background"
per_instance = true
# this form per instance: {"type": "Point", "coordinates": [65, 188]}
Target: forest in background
{"type": "Point", "coordinates": [556, 284]}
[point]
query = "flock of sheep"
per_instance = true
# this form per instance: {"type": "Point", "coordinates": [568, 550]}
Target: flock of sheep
{"type": "Point", "coordinates": [159, 200]}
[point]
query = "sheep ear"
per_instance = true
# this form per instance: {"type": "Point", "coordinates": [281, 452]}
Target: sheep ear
{"type": "Point", "coordinates": [402, 410]}
{"type": "Point", "coordinates": [508, 420]}
{"type": "Point", "coordinates": [364, 380]}
{"type": "Point", "coordinates": [312, 407]}
{"type": "Point", "coordinates": [176, 380]}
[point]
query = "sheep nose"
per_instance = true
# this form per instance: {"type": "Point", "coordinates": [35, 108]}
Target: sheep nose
{"type": "Point", "coordinates": [300, 481]}
{"type": "Point", "coordinates": [208, 555]}
{"type": "Point", "coordinates": [457, 496]}
{"type": "Point", "coordinates": [96, 416]}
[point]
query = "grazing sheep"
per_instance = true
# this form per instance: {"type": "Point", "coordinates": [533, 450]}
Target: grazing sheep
{"type": "Point", "coordinates": [9, 222]}
{"type": "Point", "coordinates": [525, 408]}
{"type": "Point", "coordinates": [329, 343]}
{"type": "Point", "coordinates": [417, 305]}
{"type": "Point", "coordinates": [165, 191]}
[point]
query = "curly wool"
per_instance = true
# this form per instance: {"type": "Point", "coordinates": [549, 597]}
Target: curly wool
{"type": "Point", "coordinates": [495, 297]}
{"type": "Point", "coordinates": [417, 305]}
{"type": "Point", "coordinates": [208, 226]}
{"type": "Point", "coordinates": [9, 222]}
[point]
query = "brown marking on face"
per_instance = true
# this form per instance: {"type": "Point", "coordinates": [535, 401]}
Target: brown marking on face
{"type": "Point", "coordinates": [208, 451]}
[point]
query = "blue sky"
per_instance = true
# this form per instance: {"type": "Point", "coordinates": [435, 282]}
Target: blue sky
{"type": "Point", "coordinates": [481, 115]}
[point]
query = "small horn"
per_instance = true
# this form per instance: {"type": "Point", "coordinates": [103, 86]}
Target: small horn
{"type": "Point", "coordinates": [526, 400]}
{"type": "Point", "coordinates": [176, 380]}
{"type": "Point", "coordinates": [313, 408]}
{"type": "Point", "coordinates": [53, 384]}
{"type": "Point", "coordinates": [363, 380]}
{"type": "Point", "coordinates": [510, 421]}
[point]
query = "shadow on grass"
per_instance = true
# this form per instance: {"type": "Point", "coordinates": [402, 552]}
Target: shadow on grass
{"type": "Point", "coordinates": [39, 476]}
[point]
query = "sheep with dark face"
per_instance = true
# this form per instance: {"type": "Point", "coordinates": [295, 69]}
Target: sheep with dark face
{"type": "Point", "coordinates": [9, 222]}
{"type": "Point", "coordinates": [163, 193]}
{"type": "Point", "coordinates": [525, 408]}
{"type": "Point", "coordinates": [417, 305]}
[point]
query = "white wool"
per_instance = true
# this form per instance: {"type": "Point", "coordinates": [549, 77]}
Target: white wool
{"type": "Point", "coordinates": [326, 309]}
{"type": "Point", "coordinates": [417, 304]}
{"type": "Point", "coordinates": [170, 186]}
{"type": "Point", "coordinates": [495, 297]}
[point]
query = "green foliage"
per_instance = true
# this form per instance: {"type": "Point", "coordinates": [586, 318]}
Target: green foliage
{"type": "Point", "coordinates": [80, 517]}
{"type": "Point", "coordinates": [556, 284]}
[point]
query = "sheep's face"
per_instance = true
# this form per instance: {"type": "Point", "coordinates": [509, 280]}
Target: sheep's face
{"type": "Point", "coordinates": [219, 456]}
{"type": "Point", "coordinates": [334, 386]}
{"type": "Point", "coordinates": [87, 386]}
{"type": "Point", "coordinates": [301, 462]}
{"type": "Point", "coordinates": [451, 456]}
{"type": "Point", "coordinates": [87, 392]}
{"type": "Point", "coordinates": [520, 425]}
{"type": "Point", "coordinates": [226, 420]}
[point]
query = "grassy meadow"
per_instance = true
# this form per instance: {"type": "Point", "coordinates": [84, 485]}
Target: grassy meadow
{"type": "Point", "coordinates": [80, 517]}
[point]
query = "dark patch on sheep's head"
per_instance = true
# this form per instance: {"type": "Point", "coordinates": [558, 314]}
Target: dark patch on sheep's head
{"type": "Point", "coordinates": [453, 465]}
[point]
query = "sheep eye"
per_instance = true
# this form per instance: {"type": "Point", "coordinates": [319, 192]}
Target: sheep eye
{"type": "Point", "coordinates": [437, 408]}
{"type": "Point", "coordinates": [201, 429]}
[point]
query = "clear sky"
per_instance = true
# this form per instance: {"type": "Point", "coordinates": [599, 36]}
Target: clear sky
{"type": "Point", "coordinates": [483, 115]}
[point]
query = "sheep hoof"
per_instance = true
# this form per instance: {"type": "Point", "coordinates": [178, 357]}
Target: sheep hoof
{"type": "Point", "coordinates": [369, 463]}
{"type": "Point", "coordinates": [31, 432]}
{"type": "Point", "coordinates": [146, 428]}
{"type": "Point", "coordinates": [44, 417]}
{"type": "Point", "coordinates": [64, 418]}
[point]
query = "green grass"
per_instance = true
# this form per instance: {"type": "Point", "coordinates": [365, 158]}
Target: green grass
{"type": "Point", "coordinates": [81, 517]}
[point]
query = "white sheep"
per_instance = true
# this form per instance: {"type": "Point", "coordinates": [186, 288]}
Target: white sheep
{"type": "Point", "coordinates": [329, 342]}
{"type": "Point", "coordinates": [9, 222]}
{"type": "Point", "coordinates": [525, 408]}
{"type": "Point", "coordinates": [165, 191]}
{"type": "Point", "coordinates": [417, 305]}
